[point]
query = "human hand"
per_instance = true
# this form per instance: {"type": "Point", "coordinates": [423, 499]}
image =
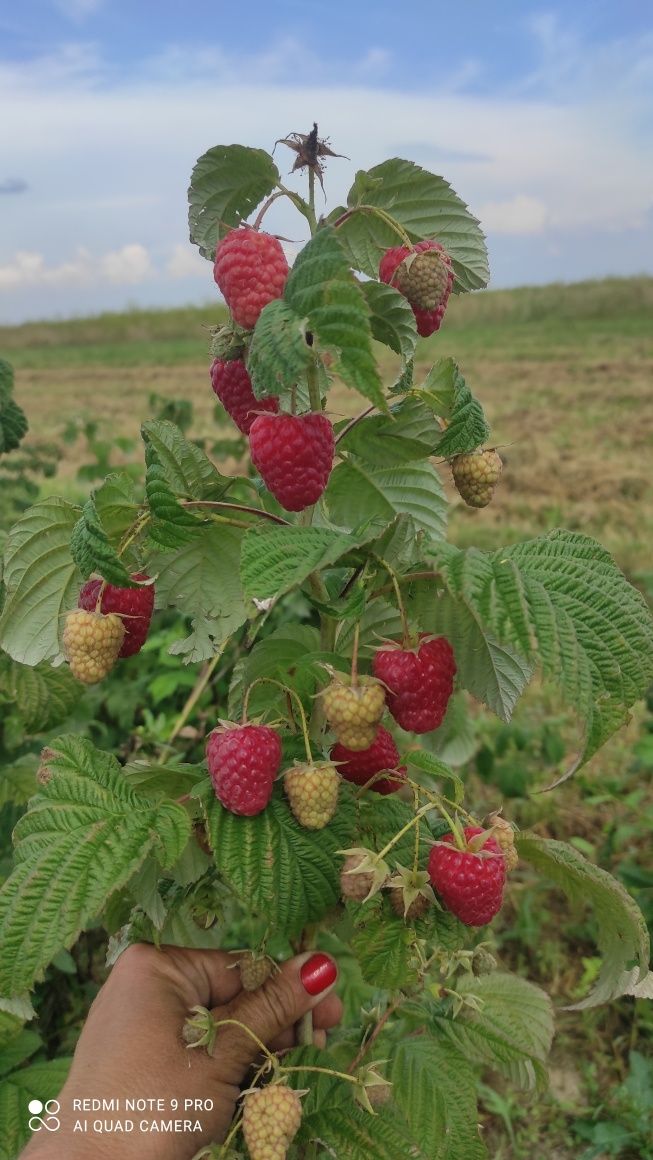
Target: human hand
{"type": "Point", "coordinates": [131, 1048]}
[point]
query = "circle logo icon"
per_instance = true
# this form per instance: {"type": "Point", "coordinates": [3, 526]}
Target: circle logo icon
{"type": "Point", "coordinates": [44, 1115]}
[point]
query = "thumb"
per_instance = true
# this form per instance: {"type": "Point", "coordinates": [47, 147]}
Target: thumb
{"type": "Point", "coordinates": [298, 987]}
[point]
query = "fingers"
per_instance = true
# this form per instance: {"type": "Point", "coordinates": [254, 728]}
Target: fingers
{"type": "Point", "coordinates": [326, 1015]}
{"type": "Point", "coordinates": [301, 985]}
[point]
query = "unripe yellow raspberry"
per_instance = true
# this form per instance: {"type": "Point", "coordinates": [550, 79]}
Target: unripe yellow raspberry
{"type": "Point", "coordinates": [312, 791]}
{"type": "Point", "coordinates": [271, 1119]}
{"type": "Point", "coordinates": [476, 476]}
{"type": "Point", "coordinates": [92, 643]}
{"type": "Point", "coordinates": [354, 712]}
{"type": "Point", "coordinates": [254, 970]}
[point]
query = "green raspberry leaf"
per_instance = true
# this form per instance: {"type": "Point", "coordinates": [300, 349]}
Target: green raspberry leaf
{"type": "Point", "coordinates": [561, 601]}
{"type": "Point", "coordinates": [322, 290]}
{"type": "Point", "coordinates": [384, 947]}
{"type": "Point", "coordinates": [84, 835]}
{"type": "Point", "coordinates": [511, 1031]}
{"type": "Point", "coordinates": [227, 184]}
{"type": "Point", "coordinates": [278, 353]}
{"type": "Point", "coordinates": [330, 1115]}
{"type": "Point", "coordinates": [201, 580]}
{"type": "Point", "coordinates": [358, 490]}
{"type": "Point", "coordinates": [426, 207]}
{"type": "Point", "coordinates": [187, 469]}
{"type": "Point", "coordinates": [41, 581]}
{"type": "Point", "coordinates": [410, 432]}
{"type": "Point", "coordinates": [446, 394]}
{"type": "Point", "coordinates": [42, 697]}
{"type": "Point", "coordinates": [177, 470]}
{"type": "Point", "coordinates": [92, 552]}
{"type": "Point", "coordinates": [392, 319]}
{"type": "Point", "coordinates": [435, 1088]}
{"type": "Point", "coordinates": [622, 935]}
{"type": "Point", "coordinates": [283, 872]}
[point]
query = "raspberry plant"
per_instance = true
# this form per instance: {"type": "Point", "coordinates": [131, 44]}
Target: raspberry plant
{"type": "Point", "coordinates": [341, 617]}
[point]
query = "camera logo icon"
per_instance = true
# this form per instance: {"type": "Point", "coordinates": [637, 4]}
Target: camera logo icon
{"type": "Point", "coordinates": [44, 1116]}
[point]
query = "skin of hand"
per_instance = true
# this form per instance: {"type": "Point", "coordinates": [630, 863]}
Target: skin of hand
{"type": "Point", "coordinates": [131, 1048]}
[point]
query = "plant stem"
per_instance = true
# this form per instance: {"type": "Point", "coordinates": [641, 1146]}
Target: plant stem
{"type": "Point", "coordinates": [196, 693]}
{"type": "Point", "coordinates": [311, 200]}
{"type": "Point", "coordinates": [314, 395]}
{"type": "Point", "coordinates": [400, 603]}
{"type": "Point", "coordinates": [404, 829]}
{"type": "Point", "coordinates": [375, 1034]}
{"type": "Point", "coordinates": [266, 205]}
{"type": "Point", "coordinates": [380, 213]}
{"type": "Point", "coordinates": [354, 655]}
{"type": "Point", "coordinates": [353, 422]}
{"type": "Point", "coordinates": [288, 692]}
{"type": "Point", "coordinates": [236, 507]}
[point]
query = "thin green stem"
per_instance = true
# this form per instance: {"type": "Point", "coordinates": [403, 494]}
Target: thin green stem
{"type": "Point", "coordinates": [311, 197]}
{"type": "Point", "coordinates": [400, 603]}
{"type": "Point", "coordinates": [353, 422]}
{"type": "Point", "coordinates": [297, 700]}
{"type": "Point", "coordinates": [236, 507]}
{"type": "Point", "coordinates": [233, 1132]}
{"type": "Point", "coordinates": [390, 1010]}
{"type": "Point", "coordinates": [266, 205]}
{"type": "Point", "coordinates": [303, 207]}
{"type": "Point", "coordinates": [196, 693]}
{"type": "Point", "coordinates": [312, 380]}
{"type": "Point", "coordinates": [243, 1027]}
{"type": "Point", "coordinates": [417, 832]}
{"type": "Point", "coordinates": [380, 213]}
{"type": "Point", "coordinates": [404, 829]}
{"type": "Point", "coordinates": [354, 655]}
{"type": "Point", "coordinates": [322, 1071]}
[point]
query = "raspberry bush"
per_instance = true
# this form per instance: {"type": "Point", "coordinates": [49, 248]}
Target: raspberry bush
{"type": "Point", "coordinates": [318, 587]}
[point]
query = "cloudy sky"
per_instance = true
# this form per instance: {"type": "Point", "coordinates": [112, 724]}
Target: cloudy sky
{"type": "Point", "coordinates": [540, 116]}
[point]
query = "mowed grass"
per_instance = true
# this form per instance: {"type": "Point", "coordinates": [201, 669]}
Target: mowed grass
{"type": "Point", "coordinates": [565, 374]}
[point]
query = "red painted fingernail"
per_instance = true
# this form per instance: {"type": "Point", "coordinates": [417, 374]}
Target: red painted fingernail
{"type": "Point", "coordinates": [318, 973]}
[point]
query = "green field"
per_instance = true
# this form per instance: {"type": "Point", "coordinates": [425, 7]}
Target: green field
{"type": "Point", "coordinates": [564, 373]}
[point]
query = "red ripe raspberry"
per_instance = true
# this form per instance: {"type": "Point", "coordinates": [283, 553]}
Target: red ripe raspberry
{"type": "Point", "coordinates": [359, 767]}
{"type": "Point", "coordinates": [426, 283]}
{"type": "Point", "coordinates": [243, 762]}
{"type": "Point", "coordinates": [419, 682]}
{"type": "Point", "coordinates": [233, 386]}
{"type": "Point", "coordinates": [251, 270]}
{"type": "Point", "coordinates": [134, 605]}
{"type": "Point", "coordinates": [294, 454]}
{"type": "Point", "coordinates": [469, 882]}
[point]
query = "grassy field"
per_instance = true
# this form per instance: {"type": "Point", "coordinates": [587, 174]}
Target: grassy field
{"type": "Point", "coordinates": [564, 373]}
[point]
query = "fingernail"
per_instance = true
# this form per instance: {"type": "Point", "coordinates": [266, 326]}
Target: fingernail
{"type": "Point", "coordinates": [318, 973]}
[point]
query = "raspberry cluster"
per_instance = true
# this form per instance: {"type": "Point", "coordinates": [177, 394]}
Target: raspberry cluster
{"type": "Point", "coordinates": [134, 606]}
{"type": "Point", "coordinates": [424, 275]}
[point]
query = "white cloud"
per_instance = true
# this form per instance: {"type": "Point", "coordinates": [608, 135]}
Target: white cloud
{"type": "Point", "coordinates": [568, 167]}
{"type": "Point", "coordinates": [518, 215]}
{"type": "Point", "coordinates": [185, 262]}
{"type": "Point", "coordinates": [125, 267]}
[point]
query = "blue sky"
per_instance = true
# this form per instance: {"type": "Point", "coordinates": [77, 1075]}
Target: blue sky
{"type": "Point", "coordinates": [540, 115]}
